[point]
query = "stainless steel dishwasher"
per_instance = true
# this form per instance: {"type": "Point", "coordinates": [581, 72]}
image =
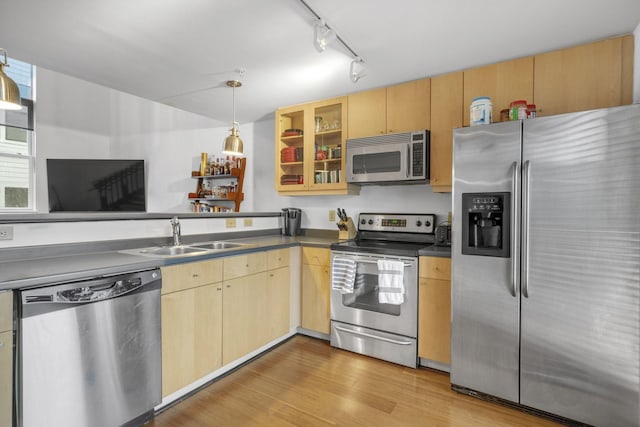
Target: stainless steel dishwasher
{"type": "Point", "coordinates": [90, 352]}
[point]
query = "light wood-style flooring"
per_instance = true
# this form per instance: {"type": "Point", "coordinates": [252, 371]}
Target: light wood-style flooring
{"type": "Point", "coordinates": [306, 382]}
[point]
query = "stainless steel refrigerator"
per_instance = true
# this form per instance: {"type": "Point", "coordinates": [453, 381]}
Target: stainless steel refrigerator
{"type": "Point", "coordinates": [546, 264]}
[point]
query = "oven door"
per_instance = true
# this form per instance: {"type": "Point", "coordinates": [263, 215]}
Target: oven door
{"type": "Point", "coordinates": [362, 307]}
{"type": "Point", "coordinates": [378, 163]}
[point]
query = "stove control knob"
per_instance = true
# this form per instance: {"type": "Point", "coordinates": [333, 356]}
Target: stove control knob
{"type": "Point", "coordinates": [363, 221]}
{"type": "Point", "coordinates": [427, 223]}
{"type": "Point", "coordinates": [418, 223]}
{"type": "Point", "coordinates": [370, 222]}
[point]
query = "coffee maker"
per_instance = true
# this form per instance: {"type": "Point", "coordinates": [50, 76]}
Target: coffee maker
{"type": "Point", "coordinates": [291, 218]}
{"type": "Point", "coordinates": [486, 224]}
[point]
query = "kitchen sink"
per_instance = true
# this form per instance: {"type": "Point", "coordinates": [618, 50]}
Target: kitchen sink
{"type": "Point", "coordinates": [172, 251]}
{"type": "Point", "coordinates": [216, 246]}
{"type": "Point", "coordinates": [194, 249]}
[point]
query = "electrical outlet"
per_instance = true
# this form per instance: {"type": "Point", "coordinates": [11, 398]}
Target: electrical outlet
{"type": "Point", "coordinates": [231, 223]}
{"type": "Point", "coordinates": [449, 217]}
{"type": "Point", "coordinates": [248, 222]}
{"type": "Point", "coordinates": [332, 215]}
{"type": "Point", "coordinates": [6, 232]}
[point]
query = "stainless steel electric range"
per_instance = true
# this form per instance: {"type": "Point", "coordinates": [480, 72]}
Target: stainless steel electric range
{"type": "Point", "coordinates": [374, 286]}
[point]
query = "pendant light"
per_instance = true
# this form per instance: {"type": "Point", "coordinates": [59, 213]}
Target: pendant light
{"type": "Point", "coordinates": [233, 144]}
{"type": "Point", "coordinates": [9, 92]}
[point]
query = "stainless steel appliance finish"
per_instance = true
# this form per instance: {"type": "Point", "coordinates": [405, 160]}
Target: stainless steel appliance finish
{"type": "Point", "coordinates": [401, 158]}
{"type": "Point", "coordinates": [555, 325]}
{"type": "Point", "coordinates": [291, 219]}
{"type": "Point", "coordinates": [90, 351]}
{"type": "Point", "coordinates": [359, 322]}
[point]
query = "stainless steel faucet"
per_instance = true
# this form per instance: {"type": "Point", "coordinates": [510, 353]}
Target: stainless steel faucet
{"type": "Point", "coordinates": [175, 225]}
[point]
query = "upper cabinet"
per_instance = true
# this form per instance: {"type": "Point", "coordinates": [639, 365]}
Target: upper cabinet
{"type": "Point", "coordinates": [503, 82]}
{"type": "Point", "coordinates": [595, 75]}
{"type": "Point", "coordinates": [309, 148]}
{"type": "Point", "coordinates": [400, 108]}
{"type": "Point", "coordinates": [446, 114]}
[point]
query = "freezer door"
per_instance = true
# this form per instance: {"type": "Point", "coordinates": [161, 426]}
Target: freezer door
{"type": "Point", "coordinates": [485, 303]}
{"type": "Point", "coordinates": [581, 272]}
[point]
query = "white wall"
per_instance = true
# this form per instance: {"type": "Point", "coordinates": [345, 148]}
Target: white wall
{"type": "Point", "coordinates": [392, 198]}
{"type": "Point", "coordinates": [76, 119]}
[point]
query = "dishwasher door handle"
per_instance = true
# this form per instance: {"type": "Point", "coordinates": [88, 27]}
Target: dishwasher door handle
{"type": "Point", "coordinates": [91, 291]}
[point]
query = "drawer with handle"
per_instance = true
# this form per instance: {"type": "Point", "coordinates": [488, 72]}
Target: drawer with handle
{"type": "Point", "coordinates": [191, 275]}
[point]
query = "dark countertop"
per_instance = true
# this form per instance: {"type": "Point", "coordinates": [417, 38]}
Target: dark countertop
{"type": "Point", "coordinates": [25, 273]}
{"type": "Point", "coordinates": [33, 272]}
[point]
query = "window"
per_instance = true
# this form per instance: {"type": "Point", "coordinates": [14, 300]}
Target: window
{"type": "Point", "coordinates": [17, 160]}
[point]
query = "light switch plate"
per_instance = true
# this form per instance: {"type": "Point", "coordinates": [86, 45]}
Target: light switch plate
{"type": "Point", "coordinates": [6, 232]}
{"type": "Point", "coordinates": [231, 223]}
{"type": "Point", "coordinates": [332, 215]}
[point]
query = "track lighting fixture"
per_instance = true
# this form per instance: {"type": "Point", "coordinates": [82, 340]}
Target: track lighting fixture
{"type": "Point", "coordinates": [323, 34]}
{"type": "Point", "coordinates": [357, 69]}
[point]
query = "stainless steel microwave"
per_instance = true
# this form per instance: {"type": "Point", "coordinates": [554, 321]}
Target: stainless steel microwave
{"type": "Point", "coordinates": [400, 158]}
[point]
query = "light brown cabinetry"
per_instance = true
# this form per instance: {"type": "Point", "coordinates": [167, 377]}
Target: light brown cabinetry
{"type": "Point", "coordinates": [191, 335]}
{"type": "Point", "coordinates": [310, 141]}
{"type": "Point", "coordinates": [394, 109]}
{"type": "Point", "coordinates": [503, 82]}
{"type": "Point", "coordinates": [255, 302]}
{"type": "Point", "coordinates": [216, 311]}
{"type": "Point", "coordinates": [244, 315]}
{"type": "Point", "coordinates": [434, 309]}
{"type": "Point", "coordinates": [586, 77]}
{"type": "Point", "coordinates": [191, 307]}
{"type": "Point", "coordinates": [6, 358]}
{"type": "Point", "coordinates": [446, 114]}
{"type": "Point", "coordinates": [316, 289]}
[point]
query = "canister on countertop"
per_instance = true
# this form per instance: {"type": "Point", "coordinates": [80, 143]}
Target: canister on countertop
{"type": "Point", "coordinates": [531, 111]}
{"type": "Point", "coordinates": [480, 111]}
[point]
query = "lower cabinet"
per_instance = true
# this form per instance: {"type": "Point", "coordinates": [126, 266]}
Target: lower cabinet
{"type": "Point", "coordinates": [434, 309]}
{"type": "Point", "coordinates": [217, 311]}
{"type": "Point", "coordinates": [316, 289]}
{"type": "Point", "coordinates": [244, 319]}
{"type": "Point", "coordinates": [278, 302]}
{"type": "Point", "coordinates": [191, 312]}
{"type": "Point", "coordinates": [191, 335]}
{"type": "Point", "coordinates": [6, 358]}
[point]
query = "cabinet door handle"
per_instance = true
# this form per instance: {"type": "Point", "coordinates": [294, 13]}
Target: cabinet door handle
{"type": "Point", "coordinates": [218, 289]}
{"type": "Point", "coordinates": [228, 286]}
{"type": "Point", "coordinates": [195, 275]}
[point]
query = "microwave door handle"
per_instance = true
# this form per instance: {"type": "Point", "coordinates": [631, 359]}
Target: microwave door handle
{"type": "Point", "coordinates": [408, 160]}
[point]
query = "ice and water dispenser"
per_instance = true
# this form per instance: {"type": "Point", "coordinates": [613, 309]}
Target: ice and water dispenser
{"type": "Point", "coordinates": [486, 224]}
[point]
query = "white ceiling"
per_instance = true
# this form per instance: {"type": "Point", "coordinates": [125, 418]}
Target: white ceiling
{"type": "Point", "coordinates": [180, 52]}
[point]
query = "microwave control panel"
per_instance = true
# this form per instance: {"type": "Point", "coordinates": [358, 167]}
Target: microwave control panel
{"type": "Point", "coordinates": [403, 223]}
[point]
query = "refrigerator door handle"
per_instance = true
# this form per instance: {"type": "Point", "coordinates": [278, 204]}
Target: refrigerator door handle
{"type": "Point", "coordinates": [525, 228]}
{"type": "Point", "coordinates": [515, 223]}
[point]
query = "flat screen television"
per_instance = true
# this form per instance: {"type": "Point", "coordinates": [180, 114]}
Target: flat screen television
{"type": "Point", "coordinates": [96, 185]}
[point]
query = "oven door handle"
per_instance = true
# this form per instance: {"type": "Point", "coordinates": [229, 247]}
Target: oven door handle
{"type": "Point", "coordinates": [367, 261]}
{"type": "Point", "coordinates": [364, 334]}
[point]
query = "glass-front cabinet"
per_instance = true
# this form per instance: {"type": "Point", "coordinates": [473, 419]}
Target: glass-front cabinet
{"type": "Point", "coordinates": [310, 140]}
